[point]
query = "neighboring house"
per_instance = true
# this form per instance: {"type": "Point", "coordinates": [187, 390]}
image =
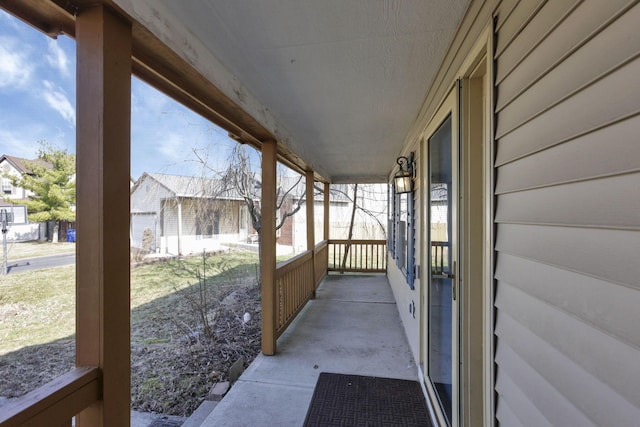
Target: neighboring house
{"type": "Point", "coordinates": [20, 230]}
{"type": "Point", "coordinates": [370, 219]}
{"type": "Point", "coordinates": [186, 214]}
{"type": "Point", "coordinates": [11, 166]}
{"type": "Point", "coordinates": [11, 195]}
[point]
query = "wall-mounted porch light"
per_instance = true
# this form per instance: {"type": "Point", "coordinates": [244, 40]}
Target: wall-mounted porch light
{"type": "Point", "coordinates": [403, 180]}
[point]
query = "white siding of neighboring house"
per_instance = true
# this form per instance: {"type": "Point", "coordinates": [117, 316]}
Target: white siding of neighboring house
{"type": "Point", "coordinates": [147, 196]}
{"type": "Point", "coordinates": [145, 210]}
{"type": "Point", "coordinates": [169, 227]}
{"type": "Point", "coordinates": [227, 232]}
{"type": "Point", "coordinates": [139, 223]}
{"type": "Point", "coordinates": [15, 193]}
{"type": "Point", "coordinates": [365, 227]}
{"type": "Point", "coordinates": [155, 206]}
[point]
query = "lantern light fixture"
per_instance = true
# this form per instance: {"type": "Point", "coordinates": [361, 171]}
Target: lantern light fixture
{"type": "Point", "coordinates": [403, 180]}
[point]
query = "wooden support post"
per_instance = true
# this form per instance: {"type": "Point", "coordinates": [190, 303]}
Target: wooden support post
{"type": "Point", "coordinates": [311, 229]}
{"type": "Point", "coordinates": [268, 247]}
{"type": "Point", "coordinates": [326, 210]}
{"type": "Point", "coordinates": [103, 108]}
{"type": "Point", "coordinates": [179, 206]}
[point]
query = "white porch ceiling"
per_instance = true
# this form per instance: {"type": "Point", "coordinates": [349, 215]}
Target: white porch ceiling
{"type": "Point", "coordinates": [340, 82]}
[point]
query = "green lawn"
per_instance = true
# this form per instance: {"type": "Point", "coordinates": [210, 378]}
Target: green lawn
{"type": "Point", "coordinates": [39, 306]}
{"type": "Point", "coordinates": [36, 307]}
{"type": "Point", "coordinates": [34, 249]}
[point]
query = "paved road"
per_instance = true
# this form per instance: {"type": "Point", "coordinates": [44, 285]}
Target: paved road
{"type": "Point", "coordinates": [39, 263]}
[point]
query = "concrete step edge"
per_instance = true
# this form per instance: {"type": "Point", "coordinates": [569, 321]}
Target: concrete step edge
{"type": "Point", "coordinates": [200, 414]}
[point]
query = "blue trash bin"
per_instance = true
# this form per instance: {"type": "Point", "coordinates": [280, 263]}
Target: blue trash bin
{"type": "Point", "coordinates": [71, 235]}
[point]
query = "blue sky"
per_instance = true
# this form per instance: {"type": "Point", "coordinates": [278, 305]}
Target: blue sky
{"type": "Point", "coordinates": [37, 102]}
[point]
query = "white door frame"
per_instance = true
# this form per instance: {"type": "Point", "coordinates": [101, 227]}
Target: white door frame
{"type": "Point", "coordinates": [472, 126]}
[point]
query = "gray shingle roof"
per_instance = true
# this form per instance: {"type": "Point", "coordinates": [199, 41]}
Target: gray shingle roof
{"type": "Point", "coordinates": [195, 187]}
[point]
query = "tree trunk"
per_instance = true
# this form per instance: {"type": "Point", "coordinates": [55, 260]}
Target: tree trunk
{"type": "Point", "coordinates": [55, 229]}
{"type": "Point", "coordinates": [353, 215]}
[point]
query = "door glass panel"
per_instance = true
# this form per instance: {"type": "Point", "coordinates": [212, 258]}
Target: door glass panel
{"type": "Point", "coordinates": [440, 291]}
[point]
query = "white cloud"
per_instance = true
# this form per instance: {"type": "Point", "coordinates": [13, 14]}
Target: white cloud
{"type": "Point", "coordinates": [9, 21]}
{"type": "Point", "coordinates": [57, 57]}
{"type": "Point", "coordinates": [146, 100]}
{"type": "Point", "coordinates": [57, 99]}
{"type": "Point", "coordinates": [172, 147]}
{"type": "Point", "coordinates": [15, 69]}
{"type": "Point", "coordinates": [16, 143]}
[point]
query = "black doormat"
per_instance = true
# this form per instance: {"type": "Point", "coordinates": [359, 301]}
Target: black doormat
{"type": "Point", "coordinates": [354, 400]}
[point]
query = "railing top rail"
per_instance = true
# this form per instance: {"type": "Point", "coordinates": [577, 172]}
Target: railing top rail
{"type": "Point", "coordinates": [321, 245]}
{"type": "Point", "coordinates": [292, 263]}
{"type": "Point", "coordinates": [55, 402]}
{"type": "Point", "coordinates": [359, 241]}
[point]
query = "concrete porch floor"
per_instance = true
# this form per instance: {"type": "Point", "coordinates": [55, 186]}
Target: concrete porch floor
{"type": "Point", "coordinates": [352, 327]}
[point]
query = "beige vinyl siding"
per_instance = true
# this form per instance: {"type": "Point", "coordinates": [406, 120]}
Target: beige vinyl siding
{"type": "Point", "coordinates": [541, 24]}
{"type": "Point", "coordinates": [611, 255]}
{"type": "Point", "coordinates": [611, 99]}
{"type": "Point", "coordinates": [549, 43]}
{"type": "Point", "coordinates": [599, 201]}
{"type": "Point", "coordinates": [620, 154]}
{"type": "Point", "coordinates": [506, 416]}
{"type": "Point", "coordinates": [567, 212]}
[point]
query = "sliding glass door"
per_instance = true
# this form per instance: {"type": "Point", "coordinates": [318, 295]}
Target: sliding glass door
{"type": "Point", "coordinates": [441, 323]}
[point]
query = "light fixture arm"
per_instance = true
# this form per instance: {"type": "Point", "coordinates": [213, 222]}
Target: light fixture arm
{"type": "Point", "coordinates": [407, 164]}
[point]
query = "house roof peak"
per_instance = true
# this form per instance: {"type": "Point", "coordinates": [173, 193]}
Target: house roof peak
{"type": "Point", "coordinates": [22, 165]}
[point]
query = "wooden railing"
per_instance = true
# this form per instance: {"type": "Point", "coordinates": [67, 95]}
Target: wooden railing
{"type": "Point", "coordinates": [439, 258]}
{"type": "Point", "coordinates": [358, 256]}
{"type": "Point", "coordinates": [297, 279]}
{"type": "Point", "coordinates": [320, 261]}
{"type": "Point", "coordinates": [295, 285]}
{"type": "Point", "coordinates": [55, 403]}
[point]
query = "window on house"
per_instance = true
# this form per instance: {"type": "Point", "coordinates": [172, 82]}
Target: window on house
{"type": "Point", "coordinates": [205, 224]}
{"type": "Point", "coordinates": [214, 229]}
{"type": "Point", "coordinates": [7, 188]}
{"type": "Point", "coordinates": [391, 196]}
{"type": "Point", "coordinates": [404, 234]}
{"type": "Point", "coordinates": [242, 220]}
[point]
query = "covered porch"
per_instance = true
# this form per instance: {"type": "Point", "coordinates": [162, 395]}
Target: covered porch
{"type": "Point", "coordinates": [351, 327]}
{"type": "Point", "coordinates": [517, 123]}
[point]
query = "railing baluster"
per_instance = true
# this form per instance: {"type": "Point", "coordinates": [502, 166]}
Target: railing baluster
{"type": "Point", "coordinates": [367, 249]}
{"type": "Point", "coordinates": [362, 256]}
{"type": "Point", "coordinates": [374, 253]}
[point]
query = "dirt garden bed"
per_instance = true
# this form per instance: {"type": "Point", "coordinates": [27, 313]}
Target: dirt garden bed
{"type": "Point", "coordinates": [175, 360]}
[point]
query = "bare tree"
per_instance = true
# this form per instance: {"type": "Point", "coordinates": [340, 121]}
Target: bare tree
{"type": "Point", "coordinates": [362, 197]}
{"type": "Point", "coordinates": [351, 223]}
{"type": "Point", "coordinates": [240, 176]}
